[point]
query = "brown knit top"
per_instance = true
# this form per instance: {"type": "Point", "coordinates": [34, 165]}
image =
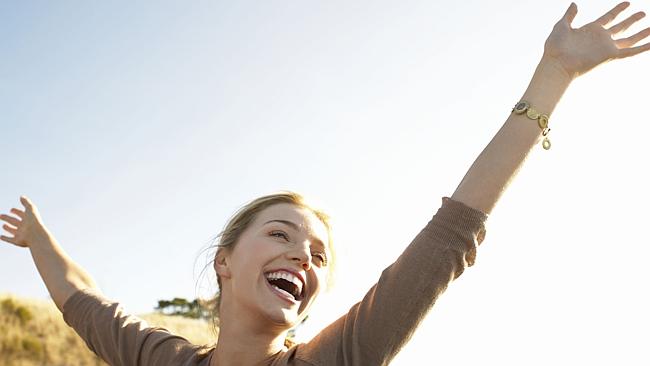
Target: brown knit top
{"type": "Point", "coordinates": [370, 333]}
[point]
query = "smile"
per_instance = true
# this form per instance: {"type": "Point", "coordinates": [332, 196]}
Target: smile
{"type": "Point", "coordinates": [286, 285]}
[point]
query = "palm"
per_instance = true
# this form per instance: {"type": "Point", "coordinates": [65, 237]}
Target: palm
{"type": "Point", "coordinates": [25, 226]}
{"type": "Point", "coordinates": [580, 50]}
{"type": "Point", "coordinates": [21, 233]}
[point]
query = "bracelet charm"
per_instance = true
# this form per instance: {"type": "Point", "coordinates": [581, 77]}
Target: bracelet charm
{"type": "Point", "coordinates": [542, 120]}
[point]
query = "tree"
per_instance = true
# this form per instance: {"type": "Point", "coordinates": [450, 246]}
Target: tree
{"type": "Point", "coordinates": [180, 306]}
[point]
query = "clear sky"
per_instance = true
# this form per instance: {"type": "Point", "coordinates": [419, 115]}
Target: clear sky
{"type": "Point", "coordinates": [138, 128]}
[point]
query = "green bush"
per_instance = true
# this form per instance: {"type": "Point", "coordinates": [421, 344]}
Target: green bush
{"type": "Point", "coordinates": [33, 347]}
{"type": "Point", "coordinates": [8, 305]}
{"type": "Point", "coordinates": [23, 314]}
{"type": "Point", "coordinates": [10, 346]}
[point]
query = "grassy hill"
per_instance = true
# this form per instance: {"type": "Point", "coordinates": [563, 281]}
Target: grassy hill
{"type": "Point", "coordinates": [32, 332]}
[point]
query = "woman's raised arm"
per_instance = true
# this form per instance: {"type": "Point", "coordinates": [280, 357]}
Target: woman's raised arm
{"type": "Point", "coordinates": [62, 276]}
{"type": "Point", "coordinates": [374, 329]}
{"type": "Point", "coordinates": [568, 53]}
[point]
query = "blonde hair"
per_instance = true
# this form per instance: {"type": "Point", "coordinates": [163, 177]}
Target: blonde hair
{"type": "Point", "coordinates": [241, 220]}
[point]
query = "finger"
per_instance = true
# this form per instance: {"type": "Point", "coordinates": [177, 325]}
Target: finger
{"type": "Point", "coordinates": [610, 15]}
{"type": "Point", "coordinates": [632, 40]}
{"type": "Point", "coordinates": [18, 212]}
{"type": "Point", "coordinates": [9, 240]}
{"type": "Point", "coordinates": [26, 202]}
{"type": "Point", "coordinates": [12, 220]}
{"type": "Point", "coordinates": [620, 27]}
{"type": "Point", "coordinates": [571, 13]}
{"type": "Point", "coordinates": [627, 52]}
{"type": "Point", "coordinates": [10, 229]}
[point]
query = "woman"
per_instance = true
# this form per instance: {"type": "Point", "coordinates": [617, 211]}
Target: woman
{"type": "Point", "coordinates": [275, 254]}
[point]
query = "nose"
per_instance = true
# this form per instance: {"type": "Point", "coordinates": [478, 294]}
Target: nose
{"type": "Point", "coordinates": [302, 256]}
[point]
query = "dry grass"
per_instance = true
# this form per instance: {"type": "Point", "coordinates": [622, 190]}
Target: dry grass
{"type": "Point", "coordinates": [32, 332]}
{"type": "Point", "coordinates": [196, 331]}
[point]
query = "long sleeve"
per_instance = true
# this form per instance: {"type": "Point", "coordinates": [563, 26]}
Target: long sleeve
{"type": "Point", "coordinates": [376, 328]}
{"type": "Point", "coordinates": [119, 338]}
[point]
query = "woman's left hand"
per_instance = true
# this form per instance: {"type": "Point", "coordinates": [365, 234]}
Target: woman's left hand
{"type": "Point", "coordinates": [580, 50]}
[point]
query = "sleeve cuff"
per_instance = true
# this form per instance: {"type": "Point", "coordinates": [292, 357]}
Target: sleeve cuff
{"type": "Point", "coordinates": [459, 227]}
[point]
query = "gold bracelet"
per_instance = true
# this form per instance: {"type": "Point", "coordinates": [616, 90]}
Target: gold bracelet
{"type": "Point", "coordinates": [542, 120]}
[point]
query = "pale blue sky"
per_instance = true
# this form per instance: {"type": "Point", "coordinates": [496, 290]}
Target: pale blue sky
{"type": "Point", "coordinates": [138, 128]}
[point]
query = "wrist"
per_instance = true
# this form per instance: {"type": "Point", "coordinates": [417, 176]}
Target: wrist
{"type": "Point", "coordinates": [554, 67]}
{"type": "Point", "coordinates": [40, 238]}
{"type": "Point", "coordinates": [548, 84]}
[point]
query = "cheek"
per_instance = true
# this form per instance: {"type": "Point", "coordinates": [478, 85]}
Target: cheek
{"type": "Point", "coordinates": [254, 250]}
{"type": "Point", "coordinates": [252, 256]}
{"type": "Point", "coordinates": [320, 280]}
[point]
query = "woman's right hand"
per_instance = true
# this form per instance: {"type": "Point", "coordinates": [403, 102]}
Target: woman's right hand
{"type": "Point", "coordinates": [26, 228]}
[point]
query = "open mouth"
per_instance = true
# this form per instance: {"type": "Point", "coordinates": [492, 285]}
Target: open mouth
{"type": "Point", "coordinates": [287, 284]}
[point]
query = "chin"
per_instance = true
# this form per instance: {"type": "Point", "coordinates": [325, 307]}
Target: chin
{"type": "Point", "coordinates": [284, 318]}
{"type": "Point", "coordinates": [288, 317]}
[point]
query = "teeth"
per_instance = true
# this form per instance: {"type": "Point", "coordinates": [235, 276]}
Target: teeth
{"type": "Point", "coordinates": [286, 276]}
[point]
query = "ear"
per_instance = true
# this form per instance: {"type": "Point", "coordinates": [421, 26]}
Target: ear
{"type": "Point", "coordinates": [222, 264]}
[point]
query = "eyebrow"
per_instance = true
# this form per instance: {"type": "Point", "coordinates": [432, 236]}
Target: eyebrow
{"type": "Point", "coordinates": [297, 228]}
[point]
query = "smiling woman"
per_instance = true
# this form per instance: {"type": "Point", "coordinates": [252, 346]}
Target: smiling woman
{"type": "Point", "coordinates": [275, 255]}
{"type": "Point", "coordinates": [282, 246]}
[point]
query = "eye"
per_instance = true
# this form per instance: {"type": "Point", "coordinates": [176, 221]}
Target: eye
{"type": "Point", "coordinates": [280, 234]}
{"type": "Point", "coordinates": [321, 257]}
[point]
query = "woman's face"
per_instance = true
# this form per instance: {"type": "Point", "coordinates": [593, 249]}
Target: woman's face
{"type": "Point", "coordinates": [278, 266]}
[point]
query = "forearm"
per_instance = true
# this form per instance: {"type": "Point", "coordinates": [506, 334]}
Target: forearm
{"type": "Point", "coordinates": [62, 276]}
{"type": "Point", "coordinates": [500, 161]}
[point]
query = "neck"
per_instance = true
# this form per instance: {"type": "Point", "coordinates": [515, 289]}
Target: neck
{"type": "Point", "coordinates": [243, 341]}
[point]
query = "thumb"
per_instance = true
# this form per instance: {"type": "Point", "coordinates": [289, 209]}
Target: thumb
{"type": "Point", "coordinates": [570, 13]}
{"type": "Point", "coordinates": [26, 202]}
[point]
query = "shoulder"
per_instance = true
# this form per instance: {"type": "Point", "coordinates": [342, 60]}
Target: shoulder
{"type": "Point", "coordinates": [194, 355]}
